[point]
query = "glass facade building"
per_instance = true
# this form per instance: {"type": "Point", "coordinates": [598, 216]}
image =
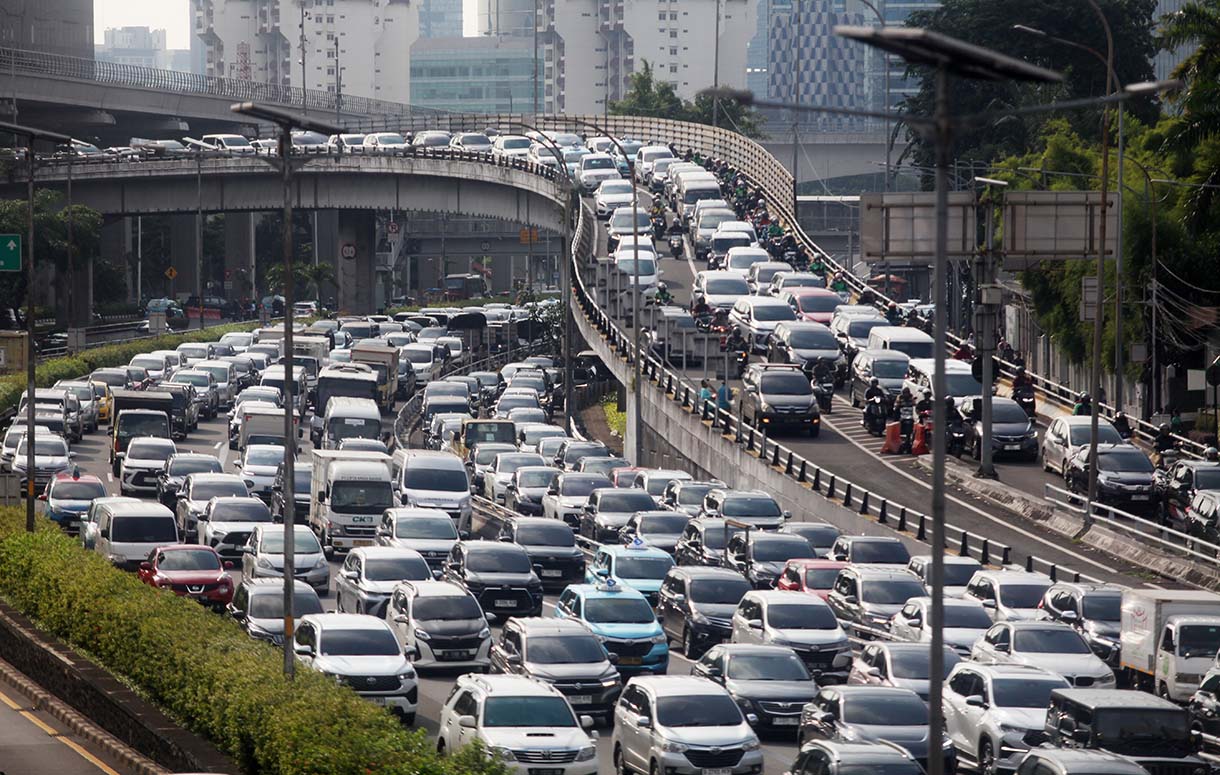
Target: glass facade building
{"type": "Point", "coordinates": [476, 75]}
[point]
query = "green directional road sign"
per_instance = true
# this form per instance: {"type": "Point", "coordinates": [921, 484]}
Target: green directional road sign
{"type": "Point", "coordinates": [10, 252]}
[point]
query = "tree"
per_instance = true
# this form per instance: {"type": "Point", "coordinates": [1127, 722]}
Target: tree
{"type": "Point", "coordinates": [308, 276]}
{"type": "Point", "coordinates": [50, 243]}
{"type": "Point", "coordinates": [647, 96]}
{"type": "Point", "coordinates": [990, 24]}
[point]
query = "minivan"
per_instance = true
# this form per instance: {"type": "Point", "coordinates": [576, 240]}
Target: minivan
{"type": "Point", "coordinates": [912, 341]}
{"type": "Point", "coordinates": [128, 531]}
{"type": "Point", "coordinates": [434, 480]}
{"type": "Point", "coordinates": [888, 367]}
{"type": "Point", "coordinates": [692, 189]}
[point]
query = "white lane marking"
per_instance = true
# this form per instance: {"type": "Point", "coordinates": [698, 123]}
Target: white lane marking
{"type": "Point", "coordinates": [971, 507]}
{"type": "Point", "coordinates": [109, 477]}
{"type": "Point", "coordinates": [217, 445]}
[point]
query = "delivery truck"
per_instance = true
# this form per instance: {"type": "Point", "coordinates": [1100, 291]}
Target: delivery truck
{"type": "Point", "coordinates": [1169, 639]}
{"type": "Point", "coordinates": [348, 494]}
{"type": "Point", "coordinates": [383, 360]}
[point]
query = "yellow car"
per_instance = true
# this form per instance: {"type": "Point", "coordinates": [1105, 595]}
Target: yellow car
{"type": "Point", "coordinates": [105, 400]}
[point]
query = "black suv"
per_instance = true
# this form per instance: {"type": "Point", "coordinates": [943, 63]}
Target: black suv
{"type": "Point", "coordinates": [1093, 609]}
{"type": "Point", "coordinates": [563, 653]}
{"type": "Point", "coordinates": [1124, 477]}
{"type": "Point", "coordinates": [779, 395]}
{"type": "Point", "coordinates": [803, 343]}
{"type": "Point", "coordinates": [1202, 518]}
{"type": "Point", "coordinates": [499, 575]}
{"type": "Point", "coordinates": [1152, 731]}
{"type": "Point", "coordinates": [1175, 488]}
{"type": "Point", "coordinates": [550, 544]}
{"type": "Point", "coordinates": [703, 542]}
{"type": "Point", "coordinates": [696, 606]}
{"type": "Point", "coordinates": [303, 474]}
{"type": "Point", "coordinates": [761, 557]}
{"type": "Point", "coordinates": [258, 607]}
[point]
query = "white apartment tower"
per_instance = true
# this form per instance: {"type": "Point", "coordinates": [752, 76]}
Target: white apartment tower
{"type": "Point", "coordinates": [591, 47]}
{"type": "Point", "coordinates": [264, 40]}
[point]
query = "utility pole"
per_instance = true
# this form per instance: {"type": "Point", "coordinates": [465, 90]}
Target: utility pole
{"type": "Point", "coordinates": [304, 90]}
{"type": "Point", "coordinates": [338, 87]}
{"type": "Point", "coordinates": [535, 17]}
{"type": "Point", "coordinates": [716, 74]}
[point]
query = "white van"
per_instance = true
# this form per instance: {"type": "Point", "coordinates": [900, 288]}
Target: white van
{"type": "Point", "coordinates": [692, 189]}
{"type": "Point", "coordinates": [433, 480]}
{"type": "Point", "coordinates": [912, 341]}
{"type": "Point", "coordinates": [741, 259]}
{"type": "Point", "coordinates": [234, 144]}
{"type": "Point", "coordinates": [350, 418]}
{"type": "Point", "coordinates": [128, 531]}
{"type": "Point", "coordinates": [645, 157]}
{"type": "Point", "coordinates": [274, 377]}
{"type": "Point", "coordinates": [423, 359]}
{"type": "Point", "coordinates": [959, 379]}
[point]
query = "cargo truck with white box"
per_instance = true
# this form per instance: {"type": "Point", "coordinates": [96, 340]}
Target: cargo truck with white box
{"type": "Point", "coordinates": [1169, 639]}
{"type": "Point", "coordinates": [347, 496]}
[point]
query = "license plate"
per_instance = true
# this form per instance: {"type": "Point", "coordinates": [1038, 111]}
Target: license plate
{"type": "Point", "coordinates": [719, 771]}
{"type": "Point", "coordinates": [786, 721]}
{"type": "Point", "coordinates": [630, 660]}
{"type": "Point", "coordinates": [1139, 497]}
{"type": "Point", "coordinates": [362, 542]}
{"type": "Point", "coordinates": [546, 771]}
{"type": "Point", "coordinates": [1012, 447]}
{"type": "Point", "coordinates": [454, 656]}
{"type": "Point", "coordinates": [551, 573]}
{"type": "Point", "coordinates": [581, 699]}
{"type": "Point", "coordinates": [505, 604]}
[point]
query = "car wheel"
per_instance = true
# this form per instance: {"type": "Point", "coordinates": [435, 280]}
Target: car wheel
{"type": "Point", "coordinates": [976, 450]}
{"type": "Point", "coordinates": [688, 645]}
{"type": "Point", "coordinates": [987, 765]}
{"type": "Point", "coordinates": [815, 431]}
{"type": "Point", "coordinates": [1162, 690]}
{"type": "Point", "coordinates": [440, 748]}
{"type": "Point", "coordinates": [620, 767]}
{"type": "Point", "coordinates": [408, 719]}
{"type": "Point", "coordinates": [654, 768]}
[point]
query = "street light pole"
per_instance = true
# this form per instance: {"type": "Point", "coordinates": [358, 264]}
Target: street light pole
{"type": "Point", "coordinates": [287, 122]}
{"type": "Point", "coordinates": [715, 71]}
{"type": "Point", "coordinates": [199, 233]}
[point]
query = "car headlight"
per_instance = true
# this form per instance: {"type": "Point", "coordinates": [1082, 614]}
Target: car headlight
{"type": "Point", "coordinates": [611, 682]}
{"type": "Point", "coordinates": [263, 562]}
{"type": "Point", "coordinates": [672, 746]}
{"type": "Point", "coordinates": [116, 558]}
{"type": "Point", "coordinates": [485, 633]}
{"type": "Point", "coordinates": [1007, 729]}
{"type": "Point", "coordinates": [503, 753]}
{"type": "Point", "coordinates": [661, 638]}
{"type": "Point", "coordinates": [423, 635]}
{"type": "Point", "coordinates": [407, 676]}
{"type": "Point", "coordinates": [751, 745]}
{"type": "Point", "coordinates": [585, 754]}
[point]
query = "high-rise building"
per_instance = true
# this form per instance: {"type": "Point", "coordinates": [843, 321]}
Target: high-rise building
{"type": "Point", "coordinates": [141, 46]}
{"type": "Point", "coordinates": [590, 48]}
{"type": "Point", "coordinates": [1165, 61]}
{"type": "Point", "coordinates": [810, 64]}
{"type": "Point", "coordinates": [473, 75]}
{"type": "Point", "coordinates": [266, 40]}
{"type": "Point", "coordinates": [440, 19]}
{"type": "Point", "coordinates": [53, 26]}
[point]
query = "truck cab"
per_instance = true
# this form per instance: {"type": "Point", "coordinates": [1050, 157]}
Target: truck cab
{"type": "Point", "coordinates": [137, 413]}
{"type": "Point", "coordinates": [348, 494]}
{"type": "Point", "coordinates": [348, 418]}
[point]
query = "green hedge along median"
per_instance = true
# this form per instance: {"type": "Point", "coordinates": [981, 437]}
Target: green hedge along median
{"type": "Point", "coordinates": [204, 671]}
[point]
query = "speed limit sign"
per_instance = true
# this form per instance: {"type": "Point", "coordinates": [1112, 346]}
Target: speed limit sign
{"type": "Point", "coordinates": [392, 227]}
{"type": "Point", "coordinates": [348, 251]}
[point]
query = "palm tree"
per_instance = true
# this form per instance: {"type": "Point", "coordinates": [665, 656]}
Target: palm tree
{"type": "Point", "coordinates": [306, 274]}
{"type": "Point", "coordinates": [1197, 24]}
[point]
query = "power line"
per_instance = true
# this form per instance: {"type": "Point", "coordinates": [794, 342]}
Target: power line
{"type": "Point", "coordinates": [1190, 285]}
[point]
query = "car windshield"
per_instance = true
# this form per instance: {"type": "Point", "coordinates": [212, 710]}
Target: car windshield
{"type": "Point", "coordinates": [146, 450]}
{"type": "Point", "coordinates": [577, 486]}
{"type": "Point", "coordinates": [194, 350]}
{"type": "Point", "coordinates": [750, 506]}
{"type": "Point", "coordinates": [629, 501]}
{"type": "Point", "coordinates": [543, 712]}
{"type": "Point", "coordinates": [969, 617]}
{"type": "Point", "coordinates": [77, 491]}
{"type": "Point", "coordinates": [264, 456]}
{"type": "Point", "coordinates": [1081, 434]}
{"type": "Point", "coordinates": [959, 384]}
{"type": "Point", "coordinates": [142, 424]}
{"type": "Point", "coordinates": [379, 642]}
{"type": "Point", "coordinates": [1115, 725]}
{"type": "Point", "coordinates": [206, 490]}
{"type": "Point", "coordinates": [916, 664]}
{"type": "Point", "coordinates": [143, 530]}
{"type": "Point", "coordinates": [1024, 692]}
{"type": "Point", "coordinates": [958, 574]}
{"type": "Point", "coordinates": [809, 616]}
{"type": "Point", "coordinates": [1050, 641]}
{"type": "Point", "coordinates": [767, 667]}
{"type": "Point", "coordinates": [813, 339]}
{"type": "Point", "coordinates": [888, 709]}
{"type": "Point", "coordinates": [727, 286]}
{"type": "Point", "coordinates": [692, 495]}
{"type": "Point", "coordinates": [820, 303]}
{"type": "Point", "coordinates": [821, 578]}
{"type": "Point", "coordinates": [437, 528]}
{"type": "Point", "coordinates": [718, 591]}
{"type": "Point", "coordinates": [418, 356]}
{"type": "Point", "coordinates": [892, 591]}
{"type": "Point", "coordinates": [1101, 607]}
{"type": "Point", "coordinates": [508, 463]}
{"type": "Point", "coordinates": [1129, 460]}
{"type": "Point", "coordinates": [642, 567]}
{"type": "Point", "coordinates": [881, 768]}
{"type": "Point", "coordinates": [821, 536]}
{"type": "Point", "coordinates": [148, 362]}
{"type": "Point", "coordinates": [880, 552]}
{"type": "Point", "coordinates": [241, 510]}
{"type": "Point", "coordinates": [392, 139]}
{"type": "Point", "coordinates": [618, 610]}
{"type": "Point", "coordinates": [1006, 412]}
{"type": "Point", "coordinates": [778, 550]}
{"type": "Point", "coordinates": [1207, 478]}
{"type": "Point", "coordinates": [449, 608]}
{"type": "Point", "coordinates": [598, 163]}
{"type": "Point", "coordinates": [1022, 595]}
{"type": "Point", "coordinates": [704, 710]}
{"type": "Point", "coordinates": [189, 559]}
{"type": "Point", "coordinates": [396, 569]}
{"type": "Point", "coordinates": [184, 466]}
{"type": "Point", "coordinates": [364, 497]}
{"type": "Point", "coordinates": [271, 605]}
{"type": "Point", "coordinates": [627, 266]}
{"type": "Point", "coordinates": [716, 537]}
{"type": "Point", "coordinates": [663, 524]}
{"type": "Point", "coordinates": [564, 649]}
{"type": "Point", "coordinates": [889, 369]}
{"type": "Point", "coordinates": [422, 477]}
{"type": "Point", "coordinates": [496, 559]}
{"type": "Point", "coordinates": [558, 534]}
{"type": "Point", "coordinates": [858, 329]}
{"type": "Point", "coordinates": [303, 542]}
{"type": "Point", "coordinates": [485, 453]}
{"type": "Point", "coordinates": [793, 383]}
{"type": "Point", "coordinates": [1198, 640]}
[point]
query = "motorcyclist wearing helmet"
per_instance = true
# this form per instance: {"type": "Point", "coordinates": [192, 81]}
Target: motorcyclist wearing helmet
{"type": "Point", "coordinates": [822, 371]}
{"type": "Point", "coordinates": [1021, 379]}
{"type": "Point", "coordinates": [700, 308]}
{"type": "Point", "coordinates": [893, 314]}
{"type": "Point", "coordinates": [905, 399]}
{"type": "Point", "coordinates": [839, 284]}
{"type": "Point", "coordinates": [925, 403]}
{"type": "Point", "coordinates": [775, 230]}
{"type": "Point", "coordinates": [663, 297]}
{"type": "Point", "coordinates": [874, 390]}
{"type": "Point", "coordinates": [1122, 425]}
{"type": "Point", "coordinates": [1084, 405]}
{"type": "Point", "coordinates": [736, 343]}
{"type": "Point", "coordinates": [1164, 439]}
{"type": "Point", "coordinates": [1211, 455]}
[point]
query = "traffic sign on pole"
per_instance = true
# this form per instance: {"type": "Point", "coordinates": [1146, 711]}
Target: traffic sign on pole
{"type": "Point", "coordinates": [10, 252]}
{"type": "Point", "coordinates": [347, 251]}
{"type": "Point", "coordinates": [171, 273]}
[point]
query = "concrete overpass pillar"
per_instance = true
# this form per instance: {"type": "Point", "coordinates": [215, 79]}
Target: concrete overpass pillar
{"type": "Point", "coordinates": [239, 255]}
{"type": "Point", "coordinates": [118, 249]}
{"type": "Point", "coordinates": [328, 253]}
{"type": "Point", "coordinates": [183, 256]}
{"type": "Point", "coordinates": [356, 228]}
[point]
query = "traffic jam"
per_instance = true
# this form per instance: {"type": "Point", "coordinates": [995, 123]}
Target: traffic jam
{"type": "Point", "coordinates": [489, 573]}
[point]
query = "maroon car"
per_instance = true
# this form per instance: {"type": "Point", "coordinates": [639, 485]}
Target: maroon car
{"type": "Point", "coordinates": [190, 571]}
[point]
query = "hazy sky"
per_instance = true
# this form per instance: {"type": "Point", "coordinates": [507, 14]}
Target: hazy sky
{"type": "Point", "coordinates": [174, 17]}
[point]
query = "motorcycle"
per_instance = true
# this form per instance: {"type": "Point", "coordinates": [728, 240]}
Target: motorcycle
{"type": "Point", "coordinates": [876, 412]}
{"type": "Point", "coordinates": [955, 442]}
{"type": "Point", "coordinates": [676, 247]}
{"type": "Point", "coordinates": [659, 227]}
{"type": "Point", "coordinates": [906, 429]}
{"type": "Point", "coordinates": [1166, 458]}
{"type": "Point", "coordinates": [1024, 396]}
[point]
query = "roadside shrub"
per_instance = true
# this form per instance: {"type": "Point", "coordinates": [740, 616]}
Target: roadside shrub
{"type": "Point", "coordinates": [205, 672]}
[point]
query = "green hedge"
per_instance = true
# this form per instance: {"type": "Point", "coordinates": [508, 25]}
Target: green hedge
{"type": "Point", "coordinates": [205, 672]}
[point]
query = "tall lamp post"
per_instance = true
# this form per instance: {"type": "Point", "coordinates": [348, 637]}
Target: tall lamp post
{"type": "Point", "coordinates": [287, 122]}
{"type": "Point", "coordinates": [199, 147]}
{"type": "Point", "coordinates": [31, 136]}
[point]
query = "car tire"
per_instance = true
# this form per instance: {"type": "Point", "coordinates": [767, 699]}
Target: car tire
{"type": "Point", "coordinates": [654, 768]}
{"type": "Point", "coordinates": [440, 748]}
{"type": "Point", "coordinates": [408, 719]}
{"type": "Point", "coordinates": [620, 766]}
{"type": "Point", "coordinates": [815, 431]}
{"type": "Point", "coordinates": [689, 650]}
{"type": "Point", "coordinates": [1162, 690]}
{"type": "Point", "coordinates": [986, 758]}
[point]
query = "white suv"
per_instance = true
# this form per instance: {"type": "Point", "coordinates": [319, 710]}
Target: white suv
{"type": "Point", "coordinates": [523, 722]}
{"type": "Point", "coordinates": [683, 725]}
{"type": "Point", "coordinates": [362, 652]}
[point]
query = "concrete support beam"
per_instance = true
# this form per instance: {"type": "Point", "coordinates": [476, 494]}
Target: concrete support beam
{"type": "Point", "coordinates": [356, 275]}
{"type": "Point", "coordinates": [328, 253]}
{"type": "Point", "coordinates": [118, 249]}
{"type": "Point", "coordinates": [183, 256]}
{"type": "Point", "coordinates": [239, 255]}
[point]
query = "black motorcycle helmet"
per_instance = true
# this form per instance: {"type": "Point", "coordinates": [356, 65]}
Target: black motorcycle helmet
{"type": "Point", "coordinates": [1083, 398]}
{"type": "Point", "coordinates": [1163, 428]}
{"type": "Point", "coordinates": [874, 382]}
{"type": "Point", "coordinates": [1211, 454]}
{"type": "Point", "coordinates": [906, 392]}
{"type": "Point", "coordinates": [1021, 371]}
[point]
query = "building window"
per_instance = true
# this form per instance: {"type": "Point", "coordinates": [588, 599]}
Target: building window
{"type": "Point", "coordinates": [661, 16]}
{"type": "Point", "coordinates": [673, 16]}
{"type": "Point", "coordinates": [673, 51]}
{"type": "Point", "coordinates": [673, 33]}
{"type": "Point", "coordinates": [673, 68]}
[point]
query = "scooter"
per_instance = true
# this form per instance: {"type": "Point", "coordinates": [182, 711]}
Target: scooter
{"type": "Point", "coordinates": [906, 429]}
{"type": "Point", "coordinates": [1024, 396]}
{"type": "Point", "coordinates": [876, 410]}
{"type": "Point", "coordinates": [824, 390]}
{"type": "Point", "coordinates": [659, 227]}
{"type": "Point", "coordinates": [956, 439]}
{"type": "Point", "coordinates": [676, 247]}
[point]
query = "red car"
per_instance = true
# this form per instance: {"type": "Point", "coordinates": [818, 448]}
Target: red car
{"type": "Point", "coordinates": [815, 304]}
{"type": "Point", "coordinates": [190, 571]}
{"type": "Point", "coordinates": [813, 577]}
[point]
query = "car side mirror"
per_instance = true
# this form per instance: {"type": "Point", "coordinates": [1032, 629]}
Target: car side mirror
{"type": "Point", "coordinates": [1068, 616]}
{"type": "Point", "coordinates": [104, 532]}
{"type": "Point", "coordinates": [586, 722]}
{"type": "Point", "coordinates": [825, 717]}
{"type": "Point", "coordinates": [238, 615]}
{"type": "Point", "coordinates": [467, 722]}
{"type": "Point", "coordinates": [754, 624]}
{"type": "Point", "coordinates": [976, 701]}
{"type": "Point", "coordinates": [463, 535]}
{"type": "Point", "coordinates": [246, 550]}
{"type": "Point", "coordinates": [351, 575]}
{"type": "Point", "coordinates": [643, 722]}
{"type": "Point", "coordinates": [612, 658]}
{"type": "Point", "coordinates": [409, 651]}
{"type": "Point", "coordinates": [874, 672]}
{"type": "Point", "coordinates": [851, 599]}
{"type": "Point", "coordinates": [989, 604]}
{"type": "Point", "coordinates": [322, 497]}
{"type": "Point", "coordinates": [840, 557]}
{"type": "Point", "coordinates": [303, 649]}
{"type": "Point", "coordinates": [1003, 648]}
{"type": "Point", "coordinates": [552, 491]}
{"type": "Point", "coordinates": [42, 497]}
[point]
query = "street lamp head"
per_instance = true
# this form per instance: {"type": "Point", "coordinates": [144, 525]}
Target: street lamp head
{"type": "Point", "coordinates": [1144, 88]}
{"type": "Point", "coordinates": [285, 119]}
{"type": "Point", "coordinates": [742, 96]}
{"type": "Point", "coordinates": [923, 47]}
{"type": "Point", "coordinates": [1029, 30]}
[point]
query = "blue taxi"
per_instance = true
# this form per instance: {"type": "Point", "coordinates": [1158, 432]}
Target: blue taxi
{"type": "Point", "coordinates": [636, 565]}
{"type": "Point", "coordinates": [623, 621]}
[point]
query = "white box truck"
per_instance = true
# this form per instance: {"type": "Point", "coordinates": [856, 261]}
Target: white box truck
{"type": "Point", "coordinates": [1169, 639]}
{"type": "Point", "coordinates": [347, 496]}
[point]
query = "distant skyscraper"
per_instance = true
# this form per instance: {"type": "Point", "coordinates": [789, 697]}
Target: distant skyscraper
{"type": "Point", "coordinates": [1165, 61]}
{"type": "Point", "coordinates": [811, 65]}
{"type": "Point", "coordinates": [440, 19]}
{"type": "Point", "coordinates": [54, 26]}
{"type": "Point", "coordinates": [141, 46]}
{"type": "Point", "coordinates": [473, 75]}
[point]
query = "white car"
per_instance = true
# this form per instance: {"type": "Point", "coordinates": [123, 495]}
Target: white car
{"type": "Point", "coordinates": [1008, 595]}
{"type": "Point", "coordinates": [512, 146]}
{"type": "Point", "coordinates": [611, 195]}
{"type": "Point", "coordinates": [370, 573]}
{"type": "Point", "coordinates": [594, 169]}
{"type": "Point", "coordinates": [1052, 646]}
{"type": "Point", "coordinates": [383, 141]}
{"type": "Point", "coordinates": [521, 721]}
{"type": "Point", "coordinates": [430, 532]}
{"type": "Point", "coordinates": [719, 289]}
{"type": "Point", "coordinates": [439, 624]}
{"type": "Point", "coordinates": [423, 359]}
{"type": "Point", "coordinates": [258, 466]}
{"type": "Point", "coordinates": [804, 623]}
{"type": "Point", "coordinates": [1066, 436]}
{"type": "Point", "coordinates": [227, 521]}
{"type": "Point", "coordinates": [567, 498]}
{"type": "Point", "coordinates": [965, 622]}
{"type": "Point", "coordinates": [500, 472]}
{"type": "Point", "coordinates": [756, 318]}
{"type": "Point", "coordinates": [958, 572]}
{"type": "Point", "coordinates": [995, 713]}
{"type": "Point", "coordinates": [741, 259]}
{"type": "Point", "coordinates": [361, 652]}
{"type": "Point", "coordinates": [647, 275]}
{"type": "Point", "coordinates": [144, 460]}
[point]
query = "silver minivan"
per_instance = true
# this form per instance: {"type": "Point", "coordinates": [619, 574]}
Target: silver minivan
{"type": "Point", "coordinates": [433, 480]}
{"type": "Point", "coordinates": [226, 379]}
{"type": "Point", "coordinates": [128, 530]}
